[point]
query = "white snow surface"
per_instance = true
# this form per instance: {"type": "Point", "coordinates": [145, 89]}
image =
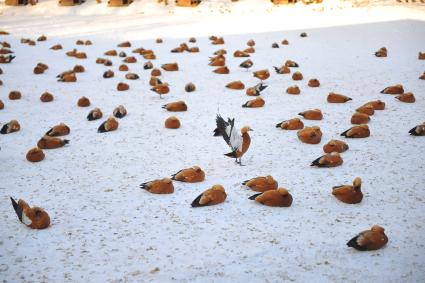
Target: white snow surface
{"type": "Point", "coordinates": [105, 229]}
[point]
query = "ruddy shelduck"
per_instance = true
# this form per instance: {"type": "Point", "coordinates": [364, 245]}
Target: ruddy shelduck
{"type": "Point", "coordinates": [254, 103]}
{"type": "Point", "coordinates": [190, 87]}
{"type": "Point", "coordinates": [418, 130]}
{"type": "Point", "coordinates": [360, 131]}
{"type": "Point", "coordinates": [337, 98]}
{"type": "Point", "coordinates": [239, 144]}
{"type": "Point", "coordinates": [48, 142]}
{"type": "Point", "coordinates": [313, 83]}
{"type": "Point", "coordinates": [282, 70]}
{"type": "Point", "coordinates": [131, 76]}
{"type": "Point", "coordinates": [238, 85]}
{"type": "Point", "coordinates": [172, 122]}
{"type": "Point", "coordinates": [262, 74]}
{"type": "Point", "coordinates": [407, 97]}
{"type": "Point", "coordinates": [349, 194]}
{"type": "Point", "coordinates": [294, 90]}
{"type": "Point", "coordinates": [15, 95]}
{"type": "Point", "coordinates": [366, 109]}
{"type": "Point", "coordinates": [240, 54]}
{"type": "Point", "coordinates": [170, 67]}
{"type": "Point", "coordinates": [111, 124]}
{"type": "Point", "coordinates": [119, 112]}
{"type": "Point", "coordinates": [94, 114]}
{"type": "Point", "coordinates": [159, 186]}
{"type": "Point", "coordinates": [276, 198]}
{"type": "Point", "coordinates": [58, 130]}
{"type": "Point", "coordinates": [360, 118]}
{"type": "Point", "coordinates": [261, 184]}
{"type": "Point", "coordinates": [161, 89]}
{"type": "Point", "coordinates": [335, 146]}
{"type": "Point", "coordinates": [332, 159]}
{"type": "Point", "coordinates": [46, 97]}
{"type": "Point", "coordinates": [222, 70]}
{"type": "Point", "coordinates": [369, 240]}
{"type": "Point", "coordinates": [215, 195]}
{"type": "Point", "coordinates": [122, 86]}
{"type": "Point", "coordinates": [376, 104]}
{"type": "Point", "coordinates": [247, 64]}
{"type": "Point", "coordinates": [291, 64]}
{"type": "Point", "coordinates": [190, 175]}
{"type": "Point", "coordinates": [291, 124]}
{"type": "Point", "coordinates": [177, 106]}
{"type": "Point", "coordinates": [313, 114]}
{"type": "Point", "coordinates": [83, 102]}
{"type": "Point", "coordinates": [310, 135]}
{"type": "Point", "coordinates": [382, 52]}
{"type": "Point", "coordinates": [256, 90]}
{"type": "Point", "coordinates": [123, 68]}
{"type": "Point", "coordinates": [10, 127]}
{"type": "Point", "coordinates": [124, 44]}
{"type": "Point", "coordinates": [35, 155]}
{"type": "Point", "coordinates": [421, 56]}
{"type": "Point", "coordinates": [297, 76]}
{"type": "Point", "coordinates": [395, 89]}
{"type": "Point", "coordinates": [33, 217]}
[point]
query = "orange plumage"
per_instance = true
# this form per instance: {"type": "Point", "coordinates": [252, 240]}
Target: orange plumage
{"type": "Point", "coordinates": [215, 195]}
{"type": "Point", "coordinates": [332, 159]}
{"type": "Point", "coordinates": [58, 130]}
{"type": "Point", "coordinates": [159, 186]}
{"type": "Point", "coordinates": [407, 97]}
{"type": "Point", "coordinates": [337, 98]}
{"type": "Point", "coordinates": [310, 135]}
{"type": "Point", "coordinates": [335, 146]}
{"type": "Point", "coordinates": [369, 240]}
{"type": "Point", "coordinates": [48, 142]}
{"type": "Point", "coordinates": [360, 118]}
{"type": "Point", "coordinates": [261, 184]}
{"type": "Point", "coordinates": [33, 217]}
{"type": "Point", "coordinates": [276, 198]}
{"type": "Point", "coordinates": [190, 175]}
{"type": "Point", "coordinates": [313, 114]}
{"type": "Point", "coordinates": [349, 194]}
{"type": "Point", "coordinates": [35, 155]}
{"type": "Point", "coordinates": [177, 106]}
{"type": "Point", "coordinates": [360, 131]}
{"type": "Point", "coordinates": [291, 124]}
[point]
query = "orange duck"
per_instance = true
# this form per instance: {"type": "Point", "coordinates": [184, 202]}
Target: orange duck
{"type": "Point", "coordinates": [240, 54]}
{"type": "Point", "coordinates": [83, 102]}
{"type": "Point", "coordinates": [94, 114]}
{"type": "Point", "coordinates": [407, 97]}
{"type": "Point", "coordinates": [172, 122]}
{"type": "Point", "coordinates": [119, 112]}
{"type": "Point", "coordinates": [235, 85]}
{"type": "Point", "coordinates": [239, 144]}
{"type": "Point", "coordinates": [418, 130]}
{"type": "Point", "coordinates": [159, 186]}
{"type": "Point", "coordinates": [68, 78]}
{"type": "Point", "coordinates": [291, 124]}
{"type": "Point", "coordinates": [369, 240]}
{"type": "Point", "coordinates": [262, 74]}
{"type": "Point", "coordinates": [177, 106]}
{"type": "Point", "coordinates": [190, 175]}
{"type": "Point", "coordinates": [310, 135]}
{"type": "Point", "coordinates": [297, 76]}
{"type": "Point", "coordinates": [313, 83]}
{"type": "Point", "coordinates": [122, 86]}
{"type": "Point", "coordinates": [170, 67]}
{"type": "Point", "coordinates": [376, 104]}
{"type": "Point", "coordinates": [58, 130]}
{"type": "Point", "coordinates": [366, 109]}
{"type": "Point", "coordinates": [282, 70]}
{"type": "Point", "coordinates": [360, 131]}
{"type": "Point", "coordinates": [261, 184]}
{"type": "Point", "coordinates": [332, 159]}
{"type": "Point", "coordinates": [161, 89]}
{"type": "Point", "coordinates": [246, 64]}
{"type": "Point", "coordinates": [10, 127]}
{"type": "Point", "coordinates": [109, 125]}
{"type": "Point", "coordinates": [222, 70]}
{"type": "Point", "coordinates": [254, 103]}
{"type": "Point", "coordinates": [349, 194]}
{"type": "Point", "coordinates": [276, 198]}
{"type": "Point", "coordinates": [313, 114]}
{"type": "Point", "coordinates": [337, 98]}
{"type": "Point", "coordinates": [292, 64]}
{"type": "Point", "coordinates": [360, 118]}
{"type": "Point", "coordinates": [48, 142]}
{"type": "Point", "coordinates": [256, 90]}
{"type": "Point", "coordinates": [33, 217]}
{"type": "Point", "coordinates": [294, 90]}
{"type": "Point", "coordinates": [15, 95]}
{"type": "Point", "coordinates": [46, 97]}
{"type": "Point", "coordinates": [6, 59]}
{"type": "Point", "coordinates": [395, 89]}
{"type": "Point", "coordinates": [190, 87]}
{"type": "Point", "coordinates": [335, 146]}
{"type": "Point", "coordinates": [35, 155]}
{"type": "Point", "coordinates": [382, 52]}
{"type": "Point", "coordinates": [212, 196]}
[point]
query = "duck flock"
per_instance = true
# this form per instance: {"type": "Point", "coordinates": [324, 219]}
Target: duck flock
{"type": "Point", "coordinates": [119, 61]}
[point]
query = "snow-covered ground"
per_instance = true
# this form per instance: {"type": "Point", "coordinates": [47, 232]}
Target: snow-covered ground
{"type": "Point", "coordinates": [105, 229]}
